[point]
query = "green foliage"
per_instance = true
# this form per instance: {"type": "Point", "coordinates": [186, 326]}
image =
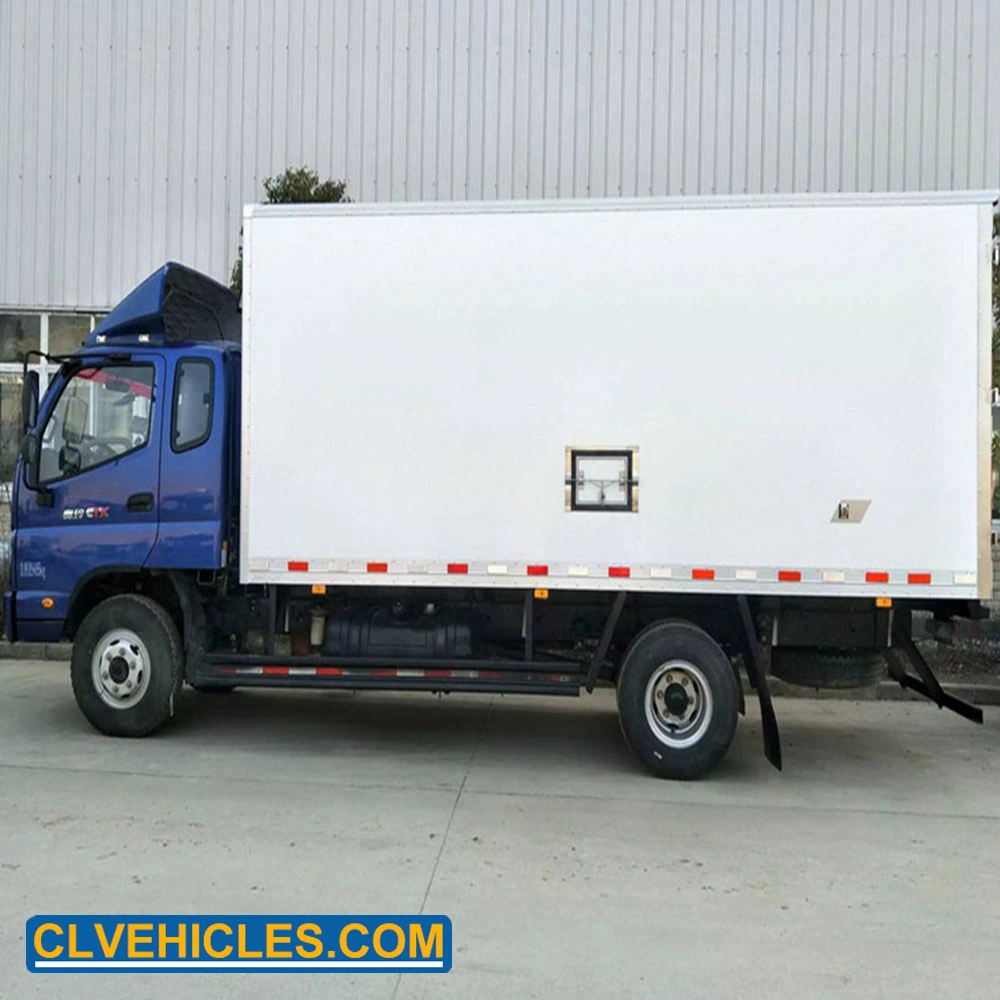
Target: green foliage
{"type": "Point", "coordinates": [236, 275]}
{"type": "Point", "coordinates": [300, 185]}
{"type": "Point", "coordinates": [296, 186]}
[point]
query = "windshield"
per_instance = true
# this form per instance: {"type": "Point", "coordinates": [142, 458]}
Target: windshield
{"type": "Point", "coordinates": [102, 414]}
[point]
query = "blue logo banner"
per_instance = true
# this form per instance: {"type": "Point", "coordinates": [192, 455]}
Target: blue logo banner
{"type": "Point", "coordinates": [238, 943]}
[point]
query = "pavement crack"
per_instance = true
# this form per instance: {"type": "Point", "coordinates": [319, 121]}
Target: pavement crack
{"type": "Point", "coordinates": [451, 819]}
{"type": "Point", "coordinates": [454, 805]}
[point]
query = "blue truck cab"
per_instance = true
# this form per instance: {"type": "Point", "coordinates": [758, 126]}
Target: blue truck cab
{"type": "Point", "coordinates": [126, 483]}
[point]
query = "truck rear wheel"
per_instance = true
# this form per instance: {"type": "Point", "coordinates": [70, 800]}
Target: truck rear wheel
{"type": "Point", "coordinates": [677, 700]}
{"type": "Point", "coordinates": [126, 666]}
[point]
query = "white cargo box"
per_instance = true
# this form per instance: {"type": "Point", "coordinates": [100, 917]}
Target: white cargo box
{"type": "Point", "coordinates": [741, 396]}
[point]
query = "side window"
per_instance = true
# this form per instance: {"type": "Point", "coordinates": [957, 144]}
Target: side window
{"type": "Point", "coordinates": [102, 414]}
{"type": "Point", "coordinates": [194, 396]}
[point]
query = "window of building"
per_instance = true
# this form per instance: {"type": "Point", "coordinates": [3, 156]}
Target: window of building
{"type": "Point", "coordinates": [67, 332]}
{"type": "Point", "coordinates": [10, 424]}
{"type": "Point", "coordinates": [19, 333]}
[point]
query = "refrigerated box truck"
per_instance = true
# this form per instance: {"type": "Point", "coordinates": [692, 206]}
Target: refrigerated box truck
{"type": "Point", "coordinates": [525, 448]}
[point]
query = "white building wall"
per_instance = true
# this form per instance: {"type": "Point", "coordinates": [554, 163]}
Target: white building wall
{"type": "Point", "coordinates": [131, 131]}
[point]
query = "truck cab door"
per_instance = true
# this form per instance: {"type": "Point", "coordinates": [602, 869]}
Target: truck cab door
{"type": "Point", "coordinates": [194, 498]}
{"type": "Point", "coordinates": [97, 508]}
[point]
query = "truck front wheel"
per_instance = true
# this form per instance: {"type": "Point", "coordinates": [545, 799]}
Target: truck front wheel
{"type": "Point", "coordinates": [126, 666]}
{"type": "Point", "coordinates": [677, 700]}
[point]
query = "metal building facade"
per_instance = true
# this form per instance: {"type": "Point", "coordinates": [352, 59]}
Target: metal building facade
{"type": "Point", "coordinates": [132, 131]}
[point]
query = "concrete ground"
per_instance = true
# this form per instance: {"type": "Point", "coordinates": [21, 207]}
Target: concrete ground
{"type": "Point", "coordinates": [869, 868]}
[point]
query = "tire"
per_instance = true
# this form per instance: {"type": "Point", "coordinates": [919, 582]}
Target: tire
{"type": "Point", "coordinates": [828, 668]}
{"type": "Point", "coordinates": [126, 666]}
{"type": "Point", "coordinates": [678, 700]}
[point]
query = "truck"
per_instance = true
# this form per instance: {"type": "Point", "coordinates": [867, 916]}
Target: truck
{"type": "Point", "coordinates": [525, 448]}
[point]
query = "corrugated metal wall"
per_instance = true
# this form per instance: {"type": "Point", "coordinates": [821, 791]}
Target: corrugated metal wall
{"type": "Point", "coordinates": [131, 131]}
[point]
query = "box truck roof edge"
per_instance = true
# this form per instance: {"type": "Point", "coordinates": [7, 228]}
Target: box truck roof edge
{"type": "Point", "coordinates": [803, 199]}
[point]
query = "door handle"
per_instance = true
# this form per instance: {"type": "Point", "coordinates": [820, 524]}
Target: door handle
{"type": "Point", "coordinates": [139, 503]}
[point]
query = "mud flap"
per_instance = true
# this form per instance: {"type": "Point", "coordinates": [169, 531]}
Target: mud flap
{"type": "Point", "coordinates": [903, 648]}
{"type": "Point", "coordinates": [758, 680]}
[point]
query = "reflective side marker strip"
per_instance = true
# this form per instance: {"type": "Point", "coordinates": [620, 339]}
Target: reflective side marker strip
{"type": "Point", "coordinates": [390, 672]}
{"type": "Point", "coordinates": [761, 575]}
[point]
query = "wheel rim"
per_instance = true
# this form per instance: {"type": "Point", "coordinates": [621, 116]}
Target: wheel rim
{"type": "Point", "coordinates": [678, 704]}
{"type": "Point", "coordinates": [120, 668]}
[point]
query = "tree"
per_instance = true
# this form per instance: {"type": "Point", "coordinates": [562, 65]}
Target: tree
{"type": "Point", "coordinates": [296, 186]}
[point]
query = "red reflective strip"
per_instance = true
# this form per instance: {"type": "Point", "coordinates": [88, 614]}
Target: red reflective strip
{"type": "Point", "coordinates": [437, 673]}
{"type": "Point", "coordinates": [789, 575]}
{"type": "Point", "coordinates": [329, 672]}
{"type": "Point", "coordinates": [492, 675]}
{"type": "Point", "coordinates": [383, 673]}
{"type": "Point", "coordinates": [458, 567]}
{"type": "Point", "coordinates": [274, 671]}
{"type": "Point", "coordinates": [703, 574]}
{"type": "Point", "coordinates": [378, 567]}
{"type": "Point", "coordinates": [918, 578]}
{"type": "Point", "coordinates": [619, 571]}
{"type": "Point", "coordinates": [876, 577]}
{"type": "Point", "coordinates": [297, 567]}
{"type": "Point", "coordinates": [538, 571]}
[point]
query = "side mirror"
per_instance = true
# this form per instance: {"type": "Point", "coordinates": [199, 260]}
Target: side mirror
{"type": "Point", "coordinates": [29, 402]}
{"type": "Point", "coordinates": [74, 420]}
{"type": "Point", "coordinates": [30, 455]}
